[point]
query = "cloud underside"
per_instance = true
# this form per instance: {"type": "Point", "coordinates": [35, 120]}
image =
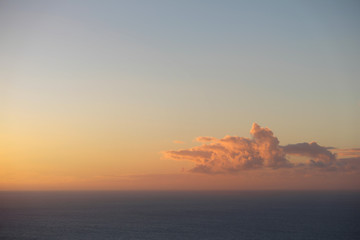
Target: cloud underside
{"type": "Point", "coordinates": [233, 154]}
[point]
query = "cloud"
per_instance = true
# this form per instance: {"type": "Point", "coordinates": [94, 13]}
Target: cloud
{"type": "Point", "coordinates": [205, 139]}
{"type": "Point", "coordinates": [350, 152]}
{"type": "Point", "coordinates": [319, 156]}
{"type": "Point", "coordinates": [178, 142]}
{"type": "Point", "coordinates": [349, 164]}
{"type": "Point", "coordinates": [233, 154]}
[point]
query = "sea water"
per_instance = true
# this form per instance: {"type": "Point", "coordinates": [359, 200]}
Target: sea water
{"type": "Point", "coordinates": [180, 215]}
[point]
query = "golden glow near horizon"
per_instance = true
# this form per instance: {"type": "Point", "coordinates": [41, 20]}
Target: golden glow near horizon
{"type": "Point", "coordinates": [111, 97]}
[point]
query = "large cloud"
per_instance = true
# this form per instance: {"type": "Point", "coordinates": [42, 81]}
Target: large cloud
{"type": "Point", "coordinates": [232, 154]}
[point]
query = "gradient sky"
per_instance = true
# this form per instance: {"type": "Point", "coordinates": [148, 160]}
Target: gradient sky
{"type": "Point", "coordinates": [92, 92]}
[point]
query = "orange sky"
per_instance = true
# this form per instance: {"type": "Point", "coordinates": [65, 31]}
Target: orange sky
{"type": "Point", "coordinates": [24, 172]}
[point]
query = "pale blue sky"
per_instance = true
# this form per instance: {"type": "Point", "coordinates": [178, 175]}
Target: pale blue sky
{"type": "Point", "coordinates": [169, 70]}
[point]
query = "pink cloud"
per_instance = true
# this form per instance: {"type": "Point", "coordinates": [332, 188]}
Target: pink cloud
{"type": "Point", "coordinates": [233, 154]}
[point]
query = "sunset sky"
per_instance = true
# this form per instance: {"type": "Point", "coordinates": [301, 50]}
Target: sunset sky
{"type": "Point", "coordinates": [144, 95]}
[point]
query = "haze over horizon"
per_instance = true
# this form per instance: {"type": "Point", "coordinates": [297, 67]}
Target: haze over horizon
{"type": "Point", "coordinates": [160, 95]}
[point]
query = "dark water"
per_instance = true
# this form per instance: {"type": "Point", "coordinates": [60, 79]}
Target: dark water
{"type": "Point", "coordinates": [180, 215]}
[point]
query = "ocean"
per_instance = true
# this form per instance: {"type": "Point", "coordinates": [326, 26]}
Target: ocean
{"type": "Point", "coordinates": [180, 215]}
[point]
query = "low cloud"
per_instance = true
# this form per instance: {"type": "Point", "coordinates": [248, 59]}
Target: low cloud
{"type": "Point", "coordinates": [350, 152]}
{"type": "Point", "coordinates": [233, 154]}
{"type": "Point", "coordinates": [319, 156]}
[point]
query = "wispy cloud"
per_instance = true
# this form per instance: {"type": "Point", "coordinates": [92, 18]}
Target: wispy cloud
{"type": "Point", "coordinates": [350, 152]}
{"type": "Point", "coordinates": [233, 154]}
{"type": "Point", "coordinates": [205, 139]}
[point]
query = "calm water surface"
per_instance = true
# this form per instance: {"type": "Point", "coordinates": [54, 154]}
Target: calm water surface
{"type": "Point", "coordinates": [179, 215]}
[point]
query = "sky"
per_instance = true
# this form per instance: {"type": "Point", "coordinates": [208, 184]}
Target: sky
{"type": "Point", "coordinates": [141, 95]}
